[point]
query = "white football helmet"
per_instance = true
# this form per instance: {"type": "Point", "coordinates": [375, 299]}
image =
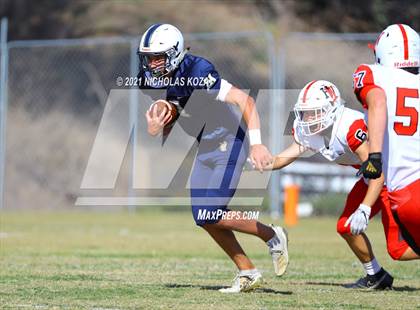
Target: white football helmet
{"type": "Point", "coordinates": [398, 46]}
{"type": "Point", "coordinates": [161, 39]}
{"type": "Point", "coordinates": [317, 107]}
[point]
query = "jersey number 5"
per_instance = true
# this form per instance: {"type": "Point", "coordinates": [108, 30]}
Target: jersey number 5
{"type": "Point", "coordinates": [402, 110]}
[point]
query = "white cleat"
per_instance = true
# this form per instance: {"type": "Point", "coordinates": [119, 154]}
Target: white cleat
{"type": "Point", "coordinates": [244, 283]}
{"type": "Point", "coordinates": [278, 250]}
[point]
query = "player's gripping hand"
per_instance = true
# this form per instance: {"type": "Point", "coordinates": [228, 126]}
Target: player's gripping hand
{"type": "Point", "coordinates": [260, 156]}
{"type": "Point", "coordinates": [155, 122]}
{"type": "Point", "coordinates": [359, 220]}
{"type": "Point", "coordinates": [372, 167]}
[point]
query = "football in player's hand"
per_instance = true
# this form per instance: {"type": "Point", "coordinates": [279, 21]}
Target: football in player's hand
{"type": "Point", "coordinates": [162, 107]}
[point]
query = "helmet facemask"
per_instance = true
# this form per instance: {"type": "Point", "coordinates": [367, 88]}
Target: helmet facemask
{"type": "Point", "coordinates": [171, 61]}
{"type": "Point", "coordinates": [313, 120]}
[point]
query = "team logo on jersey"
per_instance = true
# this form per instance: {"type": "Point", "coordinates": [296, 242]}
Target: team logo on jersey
{"type": "Point", "coordinates": [223, 146]}
{"type": "Point", "coordinates": [209, 81]}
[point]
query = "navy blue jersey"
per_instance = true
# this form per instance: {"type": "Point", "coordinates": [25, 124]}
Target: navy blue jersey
{"type": "Point", "coordinates": [201, 115]}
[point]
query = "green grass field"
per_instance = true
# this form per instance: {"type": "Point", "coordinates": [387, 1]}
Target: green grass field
{"type": "Point", "coordinates": [156, 260]}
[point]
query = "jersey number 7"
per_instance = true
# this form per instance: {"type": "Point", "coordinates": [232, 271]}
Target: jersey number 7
{"type": "Point", "coordinates": [402, 110]}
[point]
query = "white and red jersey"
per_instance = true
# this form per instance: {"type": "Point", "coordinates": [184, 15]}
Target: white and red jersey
{"type": "Point", "coordinates": [348, 132]}
{"type": "Point", "coordinates": [401, 147]}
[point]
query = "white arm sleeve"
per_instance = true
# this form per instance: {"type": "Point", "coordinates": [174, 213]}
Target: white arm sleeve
{"type": "Point", "coordinates": [225, 86]}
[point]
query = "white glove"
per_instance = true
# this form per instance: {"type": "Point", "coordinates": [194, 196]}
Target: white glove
{"type": "Point", "coordinates": [359, 220]}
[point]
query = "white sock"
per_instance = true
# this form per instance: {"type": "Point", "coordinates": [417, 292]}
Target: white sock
{"type": "Point", "coordinates": [249, 272]}
{"type": "Point", "coordinates": [372, 267]}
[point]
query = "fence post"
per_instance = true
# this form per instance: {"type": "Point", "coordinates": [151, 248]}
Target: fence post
{"type": "Point", "coordinates": [3, 104]}
{"type": "Point", "coordinates": [133, 120]}
{"type": "Point", "coordinates": [274, 186]}
{"type": "Point", "coordinates": [283, 116]}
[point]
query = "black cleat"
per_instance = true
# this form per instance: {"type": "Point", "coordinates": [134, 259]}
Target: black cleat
{"type": "Point", "coordinates": [382, 280]}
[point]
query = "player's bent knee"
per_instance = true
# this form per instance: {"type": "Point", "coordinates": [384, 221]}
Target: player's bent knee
{"type": "Point", "coordinates": [341, 229]}
{"type": "Point", "coordinates": [396, 253]}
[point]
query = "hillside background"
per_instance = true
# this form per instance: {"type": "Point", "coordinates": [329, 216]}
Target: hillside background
{"type": "Point", "coordinates": [47, 19]}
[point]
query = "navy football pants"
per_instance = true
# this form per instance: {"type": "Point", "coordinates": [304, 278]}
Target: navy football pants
{"type": "Point", "coordinates": [215, 176]}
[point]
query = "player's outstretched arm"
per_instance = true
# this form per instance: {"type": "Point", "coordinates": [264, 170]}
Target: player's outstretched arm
{"type": "Point", "coordinates": [259, 153]}
{"type": "Point", "coordinates": [286, 157]}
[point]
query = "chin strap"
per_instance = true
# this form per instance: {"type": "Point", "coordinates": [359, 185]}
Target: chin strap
{"type": "Point", "coordinates": [181, 56]}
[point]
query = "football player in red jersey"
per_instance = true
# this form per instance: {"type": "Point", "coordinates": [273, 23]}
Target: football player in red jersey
{"type": "Point", "coordinates": [389, 91]}
{"type": "Point", "coordinates": [323, 125]}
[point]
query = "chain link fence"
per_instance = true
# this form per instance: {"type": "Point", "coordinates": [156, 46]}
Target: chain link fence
{"type": "Point", "coordinates": [57, 90]}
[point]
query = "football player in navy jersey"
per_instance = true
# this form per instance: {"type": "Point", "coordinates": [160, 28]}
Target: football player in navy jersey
{"type": "Point", "coordinates": [223, 147]}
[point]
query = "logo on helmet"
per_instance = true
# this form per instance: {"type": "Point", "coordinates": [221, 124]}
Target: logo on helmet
{"type": "Point", "coordinates": [329, 93]}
